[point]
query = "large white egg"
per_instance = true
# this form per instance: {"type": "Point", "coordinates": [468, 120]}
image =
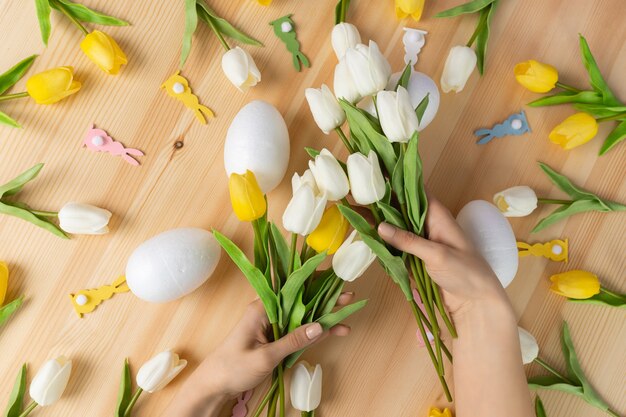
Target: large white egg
{"type": "Point", "coordinates": [419, 85]}
{"type": "Point", "coordinates": [492, 235]}
{"type": "Point", "coordinates": [172, 264]}
{"type": "Point", "coordinates": [258, 140]}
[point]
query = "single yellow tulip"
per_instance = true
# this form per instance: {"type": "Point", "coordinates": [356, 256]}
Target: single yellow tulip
{"type": "Point", "coordinates": [4, 281]}
{"type": "Point", "coordinates": [411, 8]}
{"type": "Point", "coordinates": [330, 232]}
{"type": "Point", "coordinates": [104, 52]}
{"type": "Point", "coordinates": [246, 197]}
{"type": "Point", "coordinates": [536, 76]}
{"type": "Point", "coordinates": [264, 2]}
{"type": "Point", "coordinates": [576, 130]}
{"type": "Point", "coordinates": [52, 85]}
{"type": "Point", "coordinates": [435, 412]}
{"type": "Point", "coordinates": [575, 284]}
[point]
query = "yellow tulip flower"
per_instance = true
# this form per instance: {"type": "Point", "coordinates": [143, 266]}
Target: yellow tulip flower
{"type": "Point", "coordinates": [4, 281]}
{"type": "Point", "coordinates": [246, 197]}
{"type": "Point", "coordinates": [104, 52]}
{"type": "Point", "coordinates": [411, 8]}
{"type": "Point", "coordinates": [264, 2]}
{"type": "Point", "coordinates": [52, 85]}
{"type": "Point", "coordinates": [536, 76]}
{"type": "Point", "coordinates": [435, 412]}
{"type": "Point", "coordinates": [330, 232]}
{"type": "Point", "coordinates": [575, 284]}
{"type": "Point", "coordinates": [576, 130]}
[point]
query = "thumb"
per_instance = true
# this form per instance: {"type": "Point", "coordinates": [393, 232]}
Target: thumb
{"type": "Point", "coordinates": [297, 340]}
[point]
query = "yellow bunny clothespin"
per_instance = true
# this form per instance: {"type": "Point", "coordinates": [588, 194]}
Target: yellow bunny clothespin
{"type": "Point", "coordinates": [177, 86]}
{"type": "Point", "coordinates": [86, 301]}
{"type": "Point", "coordinates": [436, 412]}
{"type": "Point", "coordinates": [555, 250]}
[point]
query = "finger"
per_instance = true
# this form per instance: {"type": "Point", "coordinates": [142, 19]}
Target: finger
{"type": "Point", "coordinates": [254, 317]}
{"type": "Point", "coordinates": [344, 299]}
{"type": "Point", "coordinates": [407, 241]}
{"type": "Point", "coordinates": [442, 226]}
{"type": "Point", "coordinates": [340, 330]}
{"type": "Point", "coordinates": [300, 338]}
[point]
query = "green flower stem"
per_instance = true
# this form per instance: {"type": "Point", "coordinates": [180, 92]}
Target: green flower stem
{"type": "Point", "coordinates": [443, 313]}
{"type": "Point", "coordinates": [612, 413]}
{"type": "Point", "coordinates": [45, 213]}
{"type": "Point", "coordinates": [553, 371]}
{"type": "Point", "coordinates": [618, 116]}
{"type": "Point", "coordinates": [29, 409]}
{"type": "Point", "coordinates": [479, 27]}
{"type": "Point", "coordinates": [375, 213]}
{"type": "Point", "coordinates": [292, 259]}
{"type": "Point", "coordinates": [552, 201]}
{"type": "Point", "coordinates": [13, 96]}
{"type": "Point", "coordinates": [307, 413]}
{"type": "Point", "coordinates": [281, 382]}
{"type": "Point", "coordinates": [567, 87]}
{"type": "Point", "coordinates": [344, 139]}
{"type": "Point", "coordinates": [271, 409]}
{"type": "Point", "coordinates": [303, 251]}
{"type": "Point", "coordinates": [613, 294]}
{"type": "Point", "coordinates": [344, 9]}
{"type": "Point", "coordinates": [132, 402]}
{"type": "Point", "coordinates": [218, 34]}
{"type": "Point", "coordinates": [266, 398]}
{"type": "Point", "coordinates": [63, 9]}
{"type": "Point", "coordinates": [345, 202]}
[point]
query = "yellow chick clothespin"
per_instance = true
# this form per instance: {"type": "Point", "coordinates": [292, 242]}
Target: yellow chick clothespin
{"type": "Point", "coordinates": [555, 250]}
{"type": "Point", "coordinates": [435, 412]}
{"type": "Point", "coordinates": [177, 86]}
{"type": "Point", "coordinates": [86, 301]}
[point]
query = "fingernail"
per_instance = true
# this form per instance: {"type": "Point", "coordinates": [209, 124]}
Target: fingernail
{"type": "Point", "coordinates": [385, 230]}
{"type": "Point", "coordinates": [314, 330]}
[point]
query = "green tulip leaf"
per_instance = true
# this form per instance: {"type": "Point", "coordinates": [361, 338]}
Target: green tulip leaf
{"type": "Point", "coordinates": [296, 281]}
{"type": "Point", "coordinates": [261, 250]}
{"type": "Point", "coordinates": [312, 152]}
{"type": "Point", "coordinates": [403, 81]}
{"type": "Point", "coordinates": [483, 35]}
{"type": "Point", "coordinates": [8, 309]}
{"type": "Point", "coordinates": [328, 306]}
{"type": "Point", "coordinates": [223, 26]}
{"type": "Point", "coordinates": [296, 315]}
{"type": "Point", "coordinates": [191, 23]}
{"type": "Point", "coordinates": [14, 74]}
{"type": "Point", "coordinates": [616, 136]}
{"type": "Point", "coordinates": [595, 76]}
{"type": "Point", "coordinates": [5, 119]}
{"type": "Point", "coordinates": [321, 286]}
{"type": "Point", "coordinates": [565, 185]}
{"type": "Point", "coordinates": [415, 194]}
{"type": "Point", "coordinates": [397, 179]}
{"type": "Point", "coordinates": [540, 411]}
{"type": "Point", "coordinates": [125, 392]}
{"type": "Point", "coordinates": [331, 319]}
{"type": "Point", "coordinates": [469, 7]}
{"type": "Point", "coordinates": [554, 383]}
{"type": "Point", "coordinates": [421, 107]}
{"type": "Point", "coordinates": [43, 15]}
{"type": "Point", "coordinates": [565, 211]}
{"type": "Point", "coordinates": [20, 211]}
{"type": "Point", "coordinates": [85, 14]}
{"type": "Point", "coordinates": [583, 97]}
{"type": "Point", "coordinates": [16, 184]}
{"type": "Point", "coordinates": [601, 110]}
{"type": "Point", "coordinates": [254, 276]}
{"type": "Point", "coordinates": [14, 408]}
{"type": "Point", "coordinates": [392, 215]}
{"type": "Point", "coordinates": [282, 250]}
{"type": "Point", "coordinates": [604, 299]}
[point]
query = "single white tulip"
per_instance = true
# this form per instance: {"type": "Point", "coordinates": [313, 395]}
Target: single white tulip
{"type": "Point", "coordinates": [304, 211]}
{"type": "Point", "coordinates": [159, 371]}
{"type": "Point", "coordinates": [397, 115]}
{"type": "Point", "coordinates": [325, 108]}
{"type": "Point", "coordinates": [516, 201]}
{"type": "Point", "coordinates": [330, 177]}
{"type": "Point", "coordinates": [459, 66]}
{"type": "Point", "coordinates": [306, 386]}
{"type": "Point", "coordinates": [368, 67]}
{"type": "Point", "coordinates": [344, 36]}
{"type": "Point", "coordinates": [50, 382]}
{"type": "Point", "coordinates": [352, 258]}
{"type": "Point", "coordinates": [306, 178]}
{"type": "Point", "coordinates": [529, 346]}
{"type": "Point", "coordinates": [366, 179]}
{"type": "Point", "coordinates": [84, 219]}
{"type": "Point", "coordinates": [240, 69]}
{"type": "Point", "coordinates": [344, 84]}
{"type": "Point", "coordinates": [419, 86]}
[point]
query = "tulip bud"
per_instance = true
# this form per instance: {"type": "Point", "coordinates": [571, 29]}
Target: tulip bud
{"type": "Point", "coordinates": [306, 178]}
{"type": "Point", "coordinates": [396, 114]}
{"type": "Point", "coordinates": [84, 219]}
{"type": "Point", "coordinates": [577, 284]}
{"type": "Point", "coordinates": [574, 131]}
{"type": "Point", "coordinates": [50, 382]}
{"type": "Point", "coordinates": [411, 8]}
{"type": "Point", "coordinates": [326, 111]}
{"type": "Point", "coordinates": [536, 76]}
{"type": "Point", "coordinates": [329, 234]}
{"type": "Point", "coordinates": [529, 346]}
{"type": "Point", "coordinates": [459, 66]}
{"type": "Point", "coordinates": [246, 197]}
{"type": "Point", "coordinates": [304, 211]}
{"type": "Point", "coordinates": [104, 52]}
{"type": "Point", "coordinates": [352, 258]}
{"type": "Point", "coordinates": [344, 36]}
{"type": "Point", "coordinates": [4, 281]}
{"type": "Point", "coordinates": [306, 387]}
{"type": "Point", "coordinates": [368, 67]}
{"type": "Point", "coordinates": [329, 176]}
{"type": "Point", "coordinates": [366, 178]}
{"type": "Point", "coordinates": [52, 85]}
{"type": "Point", "coordinates": [240, 68]}
{"type": "Point", "coordinates": [517, 201]}
{"type": "Point", "coordinates": [344, 84]}
{"type": "Point", "coordinates": [159, 371]}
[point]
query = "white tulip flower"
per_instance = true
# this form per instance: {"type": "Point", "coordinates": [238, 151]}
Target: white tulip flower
{"type": "Point", "coordinates": [516, 201]}
{"type": "Point", "coordinates": [84, 219]}
{"type": "Point", "coordinates": [306, 178]}
{"type": "Point", "coordinates": [352, 258]}
{"type": "Point", "coordinates": [459, 66]}
{"type": "Point", "coordinates": [325, 108]}
{"type": "Point", "coordinates": [159, 371]}
{"type": "Point", "coordinates": [529, 346]}
{"type": "Point", "coordinates": [330, 177]}
{"type": "Point", "coordinates": [50, 382]}
{"type": "Point", "coordinates": [366, 178]}
{"type": "Point", "coordinates": [344, 36]}
{"type": "Point", "coordinates": [304, 211]}
{"type": "Point", "coordinates": [240, 69]}
{"type": "Point", "coordinates": [344, 84]}
{"type": "Point", "coordinates": [306, 387]}
{"type": "Point", "coordinates": [368, 67]}
{"type": "Point", "coordinates": [397, 115]}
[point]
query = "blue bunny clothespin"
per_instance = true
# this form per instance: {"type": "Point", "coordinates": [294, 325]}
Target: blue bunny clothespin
{"type": "Point", "coordinates": [516, 124]}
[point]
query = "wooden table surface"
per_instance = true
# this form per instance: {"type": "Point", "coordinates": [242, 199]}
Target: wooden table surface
{"type": "Point", "coordinates": [378, 370]}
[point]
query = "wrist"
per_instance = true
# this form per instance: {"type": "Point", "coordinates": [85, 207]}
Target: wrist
{"type": "Point", "coordinates": [485, 314]}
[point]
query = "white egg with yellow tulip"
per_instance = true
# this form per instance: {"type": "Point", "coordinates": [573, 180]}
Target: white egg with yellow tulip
{"type": "Point", "coordinates": [172, 264]}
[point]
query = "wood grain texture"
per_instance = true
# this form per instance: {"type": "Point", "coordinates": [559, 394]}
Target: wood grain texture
{"type": "Point", "coordinates": [378, 371]}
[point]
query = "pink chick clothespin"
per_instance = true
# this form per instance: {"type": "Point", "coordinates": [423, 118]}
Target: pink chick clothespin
{"type": "Point", "coordinates": [97, 140]}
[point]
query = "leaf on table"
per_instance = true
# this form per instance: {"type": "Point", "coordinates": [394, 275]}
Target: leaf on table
{"type": "Point", "coordinates": [191, 23]}
{"type": "Point", "coordinates": [8, 309]}
{"type": "Point", "coordinates": [296, 281]}
{"type": "Point", "coordinates": [15, 73]}
{"type": "Point", "coordinates": [483, 36]}
{"type": "Point", "coordinates": [5, 119]}
{"type": "Point", "coordinates": [565, 184]}
{"type": "Point", "coordinates": [16, 184]}
{"type": "Point", "coordinates": [595, 76]}
{"type": "Point", "coordinates": [223, 26]}
{"type": "Point", "coordinates": [604, 299]}
{"type": "Point", "coordinates": [14, 408]}
{"type": "Point", "coordinates": [616, 136]}
{"type": "Point", "coordinates": [469, 7]}
{"type": "Point", "coordinates": [565, 211]}
{"type": "Point", "coordinates": [43, 15]}
{"type": "Point", "coordinates": [85, 14]}
{"type": "Point", "coordinates": [600, 110]}
{"type": "Point", "coordinates": [554, 383]}
{"type": "Point", "coordinates": [14, 209]}
{"type": "Point", "coordinates": [583, 97]}
{"type": "Point", "coordinates": [125, 391]}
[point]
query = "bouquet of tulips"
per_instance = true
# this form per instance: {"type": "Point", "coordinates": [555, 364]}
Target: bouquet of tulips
{"type": "Point", "coordinates": [384, 169]}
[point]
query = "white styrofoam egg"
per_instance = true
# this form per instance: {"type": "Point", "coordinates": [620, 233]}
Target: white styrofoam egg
{"type": "Point", "coordinates": [419, 85]}
{"type": "Point", "coordinates": [258, 140]}
{"type": "Point", "coordinates": [493, 237]}
{"type": "Point", "coordinates": [172, 264]}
